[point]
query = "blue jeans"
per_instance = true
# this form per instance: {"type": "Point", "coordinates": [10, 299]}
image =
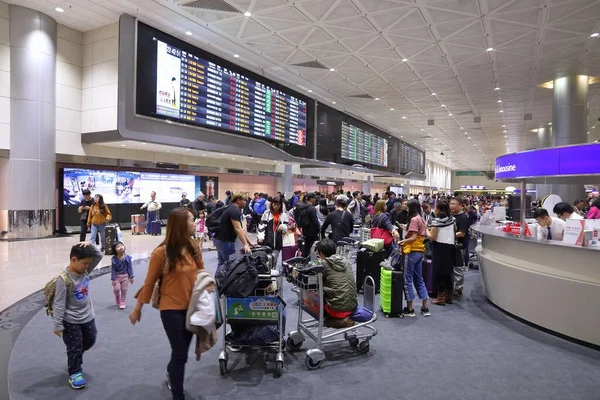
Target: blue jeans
{"type": "Point", "coordinates": [101, 229]}
{"type": "Point", "coordinates": [414, 275]}
{"type": "Point", "coordinates": [224, 250]}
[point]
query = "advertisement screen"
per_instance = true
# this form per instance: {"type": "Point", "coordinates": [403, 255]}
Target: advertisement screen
{"type": "Point", "coordinates": [123, 187]}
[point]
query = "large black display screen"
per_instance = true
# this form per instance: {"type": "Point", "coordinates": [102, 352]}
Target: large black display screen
{"type": "Point", "coordinates": [362, 146]}
{"type": "Point", "coordinates": [182, 83]}
{"type": "Point", "coordinates": [346, 140]}
{"type": "Point", "coordinates": [411, 159]}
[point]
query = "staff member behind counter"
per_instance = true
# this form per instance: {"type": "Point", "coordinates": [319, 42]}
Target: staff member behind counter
{"type": "Point", "coordinates": [549, 228]}
{"type": "Point", "coordinates": [565, 211]}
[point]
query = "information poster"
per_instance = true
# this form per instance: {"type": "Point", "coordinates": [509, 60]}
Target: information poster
{"type": "Point", "coordinates": [574, 231]}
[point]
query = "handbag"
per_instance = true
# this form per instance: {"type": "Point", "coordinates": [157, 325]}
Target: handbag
{"type": "Point", "coordinates": [382, 233]}
{"type": "Point", "coordinates": [289, 240]}
{"type": "Point", "coordinates": [155, 298]}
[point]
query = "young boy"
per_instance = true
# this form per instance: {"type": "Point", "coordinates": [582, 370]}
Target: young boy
{"type": "Point", "coordinates": [339, 287]}
{"type": "Point", "coordinates": [73, 310]}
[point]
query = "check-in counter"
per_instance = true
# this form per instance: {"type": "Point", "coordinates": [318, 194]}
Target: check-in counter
{"type": "Point", "coordinates": [549, 284]}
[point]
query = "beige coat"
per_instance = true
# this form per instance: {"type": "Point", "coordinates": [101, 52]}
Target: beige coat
{"type": "Point", "coordinates": [205, 340]}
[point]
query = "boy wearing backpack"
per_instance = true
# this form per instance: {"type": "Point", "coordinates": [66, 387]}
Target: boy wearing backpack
{"type": "Point", "coordinates": [71, 307]}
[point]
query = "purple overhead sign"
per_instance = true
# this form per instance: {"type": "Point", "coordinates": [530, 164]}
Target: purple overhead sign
{"type": "Point", "coordinates": [571, 160]}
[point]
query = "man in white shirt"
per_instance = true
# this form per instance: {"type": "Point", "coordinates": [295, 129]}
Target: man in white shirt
{"type": "Point", "coordinates": [549, 228]}
{"type": "Point", "coordinates": [565, 211]}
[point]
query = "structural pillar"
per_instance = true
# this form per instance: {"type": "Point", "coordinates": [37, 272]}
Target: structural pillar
{"type": "Point", "coordinates": [367, 185]}
{"type": "Point", "coordinates": [287, 180]}
{"type": "Point", "coordinates": [28, 177]}
{"type": "Point", "coordinates": [570, 124]}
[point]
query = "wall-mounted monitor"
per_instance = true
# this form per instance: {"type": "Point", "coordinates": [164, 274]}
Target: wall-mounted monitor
{"type": "Point", "coordinates": [346, 140]}
{"type": "Point", "coordinates": [411, 159]}
{"type": "Point", "coordinates": [179, 82]}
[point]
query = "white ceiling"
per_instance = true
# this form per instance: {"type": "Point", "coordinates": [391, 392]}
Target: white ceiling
{"type": "Point", "coordinates": [444, 42]}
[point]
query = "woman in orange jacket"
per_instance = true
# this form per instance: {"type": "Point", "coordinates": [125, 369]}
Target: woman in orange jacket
{"type": "Point", "coordinates": [97, 218]}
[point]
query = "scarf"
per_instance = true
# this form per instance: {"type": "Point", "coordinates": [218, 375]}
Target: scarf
{"type": "Point", "coordinates": [442, 222]}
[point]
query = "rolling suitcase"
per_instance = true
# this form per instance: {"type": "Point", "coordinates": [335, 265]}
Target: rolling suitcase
{"type": "Point", "coordinates": [392, 291]}
{"type": "Point", "coordinates": [155, 228]}
{"type": "Point", "coordinates": [138, 224]}
{"type": "Point", "coordinates": [111, 238]}
{"type": "Point", "coordinates": [288, 252]}
{"type": "Point", "coordinates": [428, 277]}
{"type": "Point", "coordinates": [368, 264]}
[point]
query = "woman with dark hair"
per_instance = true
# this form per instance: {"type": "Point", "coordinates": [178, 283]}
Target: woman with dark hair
{"type": "Point", "coordinates": [98, 216]}
{"type": "Point", "coordinates": [381, 220]}
{"type": "Point", "coordinates": [442, 251]}
{"type": "Point", "coordinates": [175, 264]}
{"type": "Point", "coordinates": [413, 247]}
{"type": "Point", "coordinates": [273, 225]}
{"type": "Point", "coordinates": [322, 210]}
{"type": "Point", "coordinates": [594, 212]}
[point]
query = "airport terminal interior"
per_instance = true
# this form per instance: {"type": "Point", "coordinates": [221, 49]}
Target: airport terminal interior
{"type": "Point", "coordinates": [449, 148]}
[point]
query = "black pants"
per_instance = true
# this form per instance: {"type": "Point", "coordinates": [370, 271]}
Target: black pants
{"type": "Point", "coordinates": [83, 227]}
{"type": "Point", "coordinates": [78, 338]}
{"type": "Point", "coordinates": [308, 244]}
{"type": "Point", "coordinates": [180, 339]}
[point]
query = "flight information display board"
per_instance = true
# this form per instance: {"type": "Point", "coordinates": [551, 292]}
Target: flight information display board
{"type": "Point", "coordinates": [362, 146]}
{"type": "Point", "coordinates": [181, 83]}
{"type": "Point", "coordinates": [194, 90]}
{"type": "Point", "coordinates": [411, 159]}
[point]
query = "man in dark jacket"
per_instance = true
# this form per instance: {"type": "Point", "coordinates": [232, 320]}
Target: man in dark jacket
{"type": "Point", "coordinates": [339, 287]}
{"type": "Point", "coordinates": [312, 228]}
{"type": "Point", "coordinates": [199, 204]}
{"type": "Point", "coordinates": [84, 209]}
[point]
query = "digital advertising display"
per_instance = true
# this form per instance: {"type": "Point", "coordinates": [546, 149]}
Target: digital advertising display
{"type": "Point", "coordinates": [125, 187]}
{"type": "Point", "coordinates": [182, 83]}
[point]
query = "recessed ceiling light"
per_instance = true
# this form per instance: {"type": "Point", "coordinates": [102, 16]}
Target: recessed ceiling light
{"type": "Point", "coordinates": [144, 144]}
{"type": "Point", "coordinates": [501, 111]}
{"type": "Point", "coordinates": [499, 101]}
{"type": "Point", "coordinates": [203, 155]}
{"type": "Point", "coordinates": [333, 102]}
{"type": "Point", "coordinates": [376, 98]}
{"type": "Point", "coordinates": [595, 34]}
{"type": "Point", "coordinates": [461, 128]}
{"type": "Point", "coordinates": [401, 136]}
{"type": "Point", "coordinates": [309, 91]}
{"type": "Point", "coordinates": [422, 130]}
{"type": "Point", "coordinates": [123, 145]}
{"type": "Point", "coordinates": [188, 33]}
{"type": "Point", "coordinates": [466, 133]}
{"type": "Point", "coordinates": [236, 55]}
{"type": "Point", "coordinates": [490, 49]}
{"type": "Point", "coordinates": [469, 138]}
{"type": "Point", "coordinates": [403, 117]}
{"type": "Point", "coordinates": [247, 14]}
{"type": "Point", "coordinates": [450, 114]}
{"type": "Point", "coordinates": [433, 94]}
{"type": "Point", "coordinates": [549, 123]}
{"type": "Point", "coordinates": [391, 109]}
{"type": "Point", "coordinates": [189, 149]}
{"type": "Point", "coordinates": [404, 59]}
{"type": "Point", "coordinates": [59, 9]}
{"type": "Point", "coordinates": [496, 88]}
{"type": "Point", "coordinates": [332, 69]}
{"type": "Point", "coordinates": [504, 131]}
{"type": "Point", "coordinates": [233, 158]}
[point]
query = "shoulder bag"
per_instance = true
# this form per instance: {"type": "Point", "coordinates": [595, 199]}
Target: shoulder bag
{"type": "Point", "coordinates": [155, 298]}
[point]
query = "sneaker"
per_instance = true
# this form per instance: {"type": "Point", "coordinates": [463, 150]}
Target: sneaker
{"type": "Point", "coordinates": [122, 305]}
{"type": "Point", "coordinates": [76, 381]}
{"type": "Point", "coordinates": [425, 312]}
{"type": "Point", "coordinates": [408, 313]}
{"type": "Point", "coordinates": [167, 379]}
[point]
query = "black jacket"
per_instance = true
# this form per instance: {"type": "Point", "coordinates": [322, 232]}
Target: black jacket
{"type": "Point", "coordinates": [313, 227]}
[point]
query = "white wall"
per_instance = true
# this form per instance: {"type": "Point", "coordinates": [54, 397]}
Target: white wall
{"type": "Point", "coordinates": [4, 78]}
{"type": "Point", "coordinates": [458, 181]}
{"type": "Point", "coordinates": [100, 77]}
{"type": "Point", "coordinates": [437, 176]}
{"type": "Point", "coordinates": [69, 67]}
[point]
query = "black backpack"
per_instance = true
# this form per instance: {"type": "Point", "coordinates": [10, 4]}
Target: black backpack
{"type": "Point", "coordinates": [214, 221]}
{"type": "Point", "coordinates": [238, 277]}
{"type": "Point", "coordinates": [301, 215]}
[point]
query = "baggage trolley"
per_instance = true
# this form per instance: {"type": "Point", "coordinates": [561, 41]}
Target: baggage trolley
{"type": "Point", "coordinates": [348, 247]}
{"type": "Point", "coordinates": [311, 295]}
{"type": "Point", "coordinates": [263, 307]}
{"type": "Point", "coordinates": [474, 241]}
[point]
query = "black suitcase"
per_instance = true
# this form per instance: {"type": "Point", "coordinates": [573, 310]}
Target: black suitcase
{"type": "Point", "coordinates": [111, 238]}
{"type": "Point", "coordinates": [368, 264]}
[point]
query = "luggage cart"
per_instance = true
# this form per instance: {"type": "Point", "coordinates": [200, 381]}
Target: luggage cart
{"type": "Point", "coordinates": [311, 295]}
{"type": "Point", "coordinates": [348, 247]}
{"type": "Point", "coordinates": [262, 308]}
{"type": "Point", "coordinates": [474, 241]}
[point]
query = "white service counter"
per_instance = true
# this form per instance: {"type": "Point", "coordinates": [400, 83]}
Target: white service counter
{"type": "Point", "coordinates": [549, 284]}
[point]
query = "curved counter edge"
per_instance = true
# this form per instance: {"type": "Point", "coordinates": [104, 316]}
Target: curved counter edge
{"type": "Point", "coordinates": [552, 286]}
